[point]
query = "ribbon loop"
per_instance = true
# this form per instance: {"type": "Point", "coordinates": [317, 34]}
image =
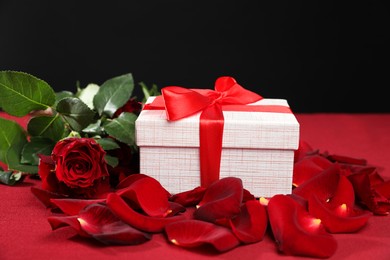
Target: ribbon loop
{"type": "Point", "coordinates": [181, 102]}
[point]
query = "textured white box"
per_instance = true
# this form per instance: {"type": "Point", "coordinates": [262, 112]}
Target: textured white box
{"type": "Point", "coordinates": [258, 147]}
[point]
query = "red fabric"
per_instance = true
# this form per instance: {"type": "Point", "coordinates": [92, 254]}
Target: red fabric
{"type": "Point", "coordinates": [26, 234]}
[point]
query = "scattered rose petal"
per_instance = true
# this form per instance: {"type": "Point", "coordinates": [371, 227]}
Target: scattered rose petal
{"type": "Point", "coordinates": [126, 182]}
{"type": "Point", "coordinates": [371, 190]}
{"type": "Point", "coordinates": [149, 195]}
{"type": "Point", "coordinates": [325, 185]}
{"type": "Point", "coordinates": [247, 195]}
{"type": "Point", "coordinates": [221, 200]}
{"type": "Point", "coordinates": [194, 233]}
{"type": "Point", "coordinates": [137, 220]}
{"type": "Point", "coordinates": [190, 197]}
{"type": "Point", "coordinates": [338, 219]}
{"type": "Point", "coordinates": [57, 222]}
{"type": "Point", "coordinates": [303, 150]}
{"type": "Point", "coordinates": [99, 222]}
{"type": "Point", "coordinates": [346, 159]}
{"type": "Point", "coordinates": [297, 232]}
{"type": "Point", "coordinates": [45, 196]}
{"type": "Point", "coordinates": [250, 225]}
{"type": "Point", "coordinates": [73, 206]}
{"type": "Point", "coordinates": [309, 167]}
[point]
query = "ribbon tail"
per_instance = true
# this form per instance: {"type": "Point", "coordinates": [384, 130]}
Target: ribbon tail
{"type": "Point", "coordinates": [210, 150]}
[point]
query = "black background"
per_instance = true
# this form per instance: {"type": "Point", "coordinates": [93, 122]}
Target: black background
{"type": "Point", "coordinates": [322, 56]}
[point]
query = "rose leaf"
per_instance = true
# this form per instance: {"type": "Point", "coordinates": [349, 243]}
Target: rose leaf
{"type": "Point", "coordinates": [113, 94]}
{"type": "Point", "coordinates": [122, 128]}
{"type": "Point", "coordinates": [25, 90]}
{"type": "Point", "coordinates": [76, 113]}
{"type": "Point", "coordinates": [37, 145]}
{"type": "Point", "coordinates": [46, 126]}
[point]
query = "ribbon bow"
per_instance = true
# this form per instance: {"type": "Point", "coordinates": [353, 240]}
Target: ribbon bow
{"type": "Point", "coordinates": [181, 102]}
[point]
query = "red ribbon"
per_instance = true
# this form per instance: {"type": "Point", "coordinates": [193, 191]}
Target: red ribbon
{"type": "Point", "coordinates": [228, 95]}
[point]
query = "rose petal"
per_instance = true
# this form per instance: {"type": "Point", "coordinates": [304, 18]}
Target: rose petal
{"type": "Point", "coordinates": [250, 225]}
{"type": "Point", "coordinates": [309, 167]}
{"type": "Point", "coordinates": [348, 221]}
{"type": "Point", "coordinates": [326, 186]}
{"type": "Point", "coordinates": [303, 150]}
{"type": "Point", "coordinates": [126, 182]}
{"type": "Point", "coordinates": [99, 222]}
{"type": "Point", "coordinates": [57, 222]}
{"type": "Point", "coordinates": [297, 232]}
{"type": "Point", "coordinates": [149, 195]}
{"type": "Point", "coordinates": [346, 159]}
{"type": "Point", "coordinates": [194, 233]}
{"type": "Point", "coordinates": [222, 199]}
{"type": "Point", "coordinates": [45, 196]}
{"type": "Point", "coordinates": [190, 197]}
{"type": "Point", "coordinates": [135, 219]}
{"type": "Point", "coordinates": [73, 206]}
{"type": "Point", "coordinates": [367, 185]}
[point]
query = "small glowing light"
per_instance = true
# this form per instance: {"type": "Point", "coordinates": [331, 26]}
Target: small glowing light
{"type": "Point", "coordinates": [263, 201]}
{"type": "Point", "coordinates": [82, 221]}
{"type": "Point", "coordinates": [314, 224]}
{"type": "Point", "coordinates": [342, 210]}
{"type": "Point", "coordinates": [169, 211]}
{"type": "Point", "coordinates": [328, 200]}
{"type": "Point", "coordinates": [174, 241]}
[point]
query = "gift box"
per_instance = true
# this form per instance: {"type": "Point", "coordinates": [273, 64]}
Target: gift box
{"type": "Point", "coordinates": [258, 141]}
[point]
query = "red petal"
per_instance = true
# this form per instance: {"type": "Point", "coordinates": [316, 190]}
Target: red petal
{"type": "Point", "coordinates": [45, 196]}
{"type": "Point", "coordinates": [369, 192]}
{"type": "Point", "coordinates": [250, 225]}
{"type": "Point", "coordinates": [99, 222]}
{"type": "Point", "coordinates": [303, 150]}
{"type": "Point", "coordinates": [130, 180]}
{"type": "Point", "coordinates": [73, 206]}
{"type": "Point", "coordinates": [135, 219]}
{"type": "Point", "coordinates": [324, 185]}
{"type": "Point", "coordinates": [247, 195]}
{"type": "Point", "coordinates": [296, 231]}
{"type": "Point", "coordinates": [59, 222]}
{"type": "Point", "coordinates": [309, 167]}
{"type": "Point", "coordinates": [346, 159]}
{"type": "Point", "coordinates": [194, 233]}
{"type": "Point", "coordinates": [222, 199]}
{"type": "Point", "coordinates": [149, 195]}
{"type": "Point", "coordinates": [189, 198]}
{"type": "Point", "coordinates": [351, 221]}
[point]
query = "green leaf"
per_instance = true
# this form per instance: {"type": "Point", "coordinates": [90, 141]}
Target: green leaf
{"type": "Point", "coordinates": [9, 178]}
{"type": "Point", "coordinates": [12, 140]}
{"type": "Point", "coordinates": [111, 160]}
{"type": "Point", "coordinates": [153, 91]}
{"type": "Point", "coordinates": [47, 126]}
{"type": "Point", "coordinates": [36, 146]}
{"type": "Point", "coordinates": [113, 94]}
{"type": "Point", "coordinates": [94, 128]}
{"type": "Point", "coordinates": [87, 94]}
{"type": "Point", "coordinates": [122, 128]}
{"type": "Point", "coordinates": [62, 94]}
{"type": "Point", "coordinates": [76, 113]}
{"type": "Point", "coordinates": [108, 143]}
{"type": "Point", "coordinates": [21, 93]}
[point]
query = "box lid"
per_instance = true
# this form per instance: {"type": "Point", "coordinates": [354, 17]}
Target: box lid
{"type": "Point", "coordinates": [264, 130]}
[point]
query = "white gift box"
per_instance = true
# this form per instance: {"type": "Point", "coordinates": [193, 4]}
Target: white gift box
{"type": "Point", "coordinates": [257, 147]}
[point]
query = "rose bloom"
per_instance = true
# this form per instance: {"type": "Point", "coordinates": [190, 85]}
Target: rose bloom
{"type": "Point", "coordinates": [76, 168]}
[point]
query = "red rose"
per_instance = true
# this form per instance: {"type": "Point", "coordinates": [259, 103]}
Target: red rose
{"type": "Point", "coordinates": [76, 168]}
{"type": "Point", "coordinates": [131, 106]}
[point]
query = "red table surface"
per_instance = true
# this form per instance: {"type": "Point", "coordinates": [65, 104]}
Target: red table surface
{"type": "Point", "coordinates": [26, 234]}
